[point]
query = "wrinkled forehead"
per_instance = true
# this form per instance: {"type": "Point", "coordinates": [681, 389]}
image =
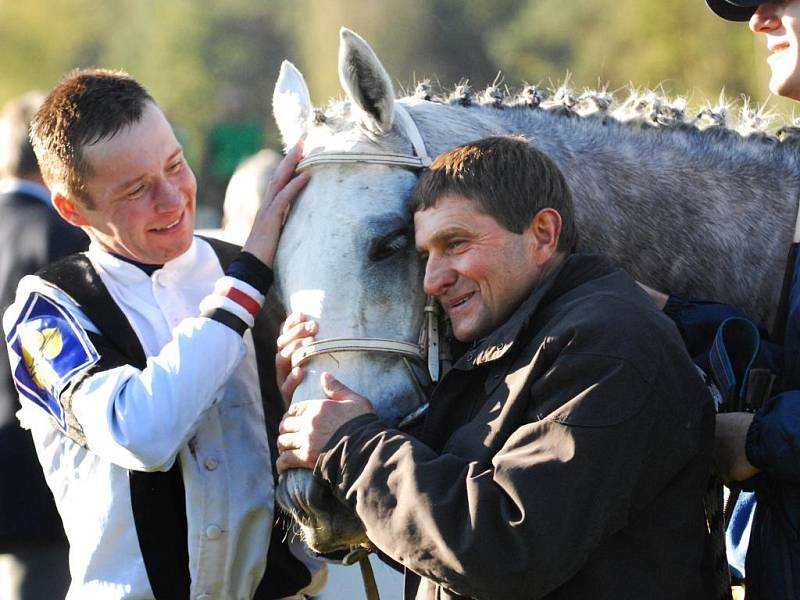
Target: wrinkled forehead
{"type": "Point", "coordinates": [148, 137]}
{"type": "Point", "coordinates": [451, 215]}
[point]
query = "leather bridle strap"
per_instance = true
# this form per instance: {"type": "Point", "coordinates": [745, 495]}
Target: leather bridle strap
{"type": "Point", "coordinates": [332, 345]}
{"type": "Point", "coordinates": [430, 343]}
{"type": "Point", "coordinates": [416, 162]}
{"type": "Point", "coordinates": [392, 160]}
{"type": "Point", "coordinates": [427, 350]}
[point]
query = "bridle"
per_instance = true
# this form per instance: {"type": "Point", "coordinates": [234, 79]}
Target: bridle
{"type": "Point", "coordinates": [428, 350]}
{"type": "Point", "coordinates": [416, 162]}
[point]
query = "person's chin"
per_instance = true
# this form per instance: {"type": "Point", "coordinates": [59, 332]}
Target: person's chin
{"type": "Point", "coordinates": [181, 247]}
{"type": "Point", "coordinates": [785, 82]}
{"type": "Point", "coordinates": [171, 250]}
{"type": "Point", "coordinates": [174, 242]}
{"type": "Point", "coordinates": [461, 330]}
{"type": "Point", "coordinates": [469, 330]}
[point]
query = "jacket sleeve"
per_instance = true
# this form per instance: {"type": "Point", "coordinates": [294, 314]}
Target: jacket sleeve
{"type": "Point", "coordinates": [773, 439]}
{"type": "Point", "coordinates": [562, 482]}
{"type": "Point", "coordinates": [135, 418]}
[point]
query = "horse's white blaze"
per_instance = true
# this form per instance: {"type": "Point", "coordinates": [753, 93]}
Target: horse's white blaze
{"type": "Point", "coordinates": [308, 302]}
{"type": "Point", "coordinates": [325, 269]}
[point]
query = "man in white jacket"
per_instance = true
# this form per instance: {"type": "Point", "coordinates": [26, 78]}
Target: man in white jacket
{"type": "Point", "coordinates": [136, 365]}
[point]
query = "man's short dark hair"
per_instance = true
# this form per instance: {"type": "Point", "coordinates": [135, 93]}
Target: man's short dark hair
{"type": "Point", "coordinates": [86, 107]}
{"type": "Point", "coordinates": [506, 178]}
{"type": "Point", "coordinates": [16, 153]}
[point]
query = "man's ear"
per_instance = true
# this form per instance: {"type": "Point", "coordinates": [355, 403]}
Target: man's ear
{"type": "Point", "coordinates": [68, 210]}
{"type": "Point", "coordinates": [543, 233]}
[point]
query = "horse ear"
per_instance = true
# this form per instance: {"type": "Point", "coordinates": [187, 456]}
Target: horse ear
{"type": "Point", "coordinates": [365, 81]}
{"type": "Point", "coordinates": [291, 104]}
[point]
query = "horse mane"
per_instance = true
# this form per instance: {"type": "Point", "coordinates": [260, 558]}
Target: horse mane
{"type": "Point", "coordinates": [639, 108]}
{"type": "Point", "coordinates": [639, 157]}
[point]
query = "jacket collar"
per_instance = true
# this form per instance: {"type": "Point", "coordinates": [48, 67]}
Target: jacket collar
{"type": "Point", "coordinates": [572, 272]}
{"type": "Point", "coordinates": [128, 273]}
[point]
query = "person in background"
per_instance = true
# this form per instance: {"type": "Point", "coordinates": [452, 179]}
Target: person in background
{"type": "Point", "coordinates": [246, 187]}
{"type": "Point", "coordinates": [33, 548]}
{"type": "Point", "coordinates": [758, 450]}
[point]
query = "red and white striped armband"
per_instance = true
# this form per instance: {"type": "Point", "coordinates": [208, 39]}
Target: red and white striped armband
{"type": "Point", "coordinates": [234, 303]}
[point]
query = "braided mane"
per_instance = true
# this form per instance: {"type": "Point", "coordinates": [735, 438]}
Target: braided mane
{"type": "Point", "coordinates": [666, 190]}
{"type": "Point", "coordinates": [639, 108]}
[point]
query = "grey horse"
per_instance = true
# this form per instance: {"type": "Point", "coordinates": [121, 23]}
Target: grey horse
{"type": "Point", "coordinates": [701, 211]}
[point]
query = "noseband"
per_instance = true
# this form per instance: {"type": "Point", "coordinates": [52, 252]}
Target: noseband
{"type": "Point", "coordinates": [428, 349]}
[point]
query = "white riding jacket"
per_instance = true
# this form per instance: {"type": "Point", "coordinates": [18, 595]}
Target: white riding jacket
{"type": "Point", "coordinates": [198, 398]}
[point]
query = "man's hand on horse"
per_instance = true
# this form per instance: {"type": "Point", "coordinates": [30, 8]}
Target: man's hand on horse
{"type": "Point", "coordinates": [282, 190]}
{"type": "Point", "coordinates": [307, 426]}
{"type": "Point", "coordinates": [295, 333]}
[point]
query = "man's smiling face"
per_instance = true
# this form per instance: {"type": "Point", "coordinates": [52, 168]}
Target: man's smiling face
{"type": "Point", "coordinates": [780, 23]}
{"type": "Point", "coordinates": [479, 271]}
{"type": "Point", "coordinates": [142, 190]}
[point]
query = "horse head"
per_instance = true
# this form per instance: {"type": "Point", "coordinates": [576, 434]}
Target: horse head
{"type": "Point", "coordinates": [347, 259]}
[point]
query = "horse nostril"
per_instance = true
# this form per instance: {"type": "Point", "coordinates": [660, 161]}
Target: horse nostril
{"type": "Point", "coordinates": [304, 497]}
{"type": "Point", "coordinates": [321, 499]}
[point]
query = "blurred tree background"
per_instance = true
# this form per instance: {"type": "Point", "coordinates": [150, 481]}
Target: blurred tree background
{"type": "Point", "coordinates": [212, 63]}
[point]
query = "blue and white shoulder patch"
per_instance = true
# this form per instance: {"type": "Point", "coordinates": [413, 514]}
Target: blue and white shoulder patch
{"type": "Point", "coordinates": [47, 348]}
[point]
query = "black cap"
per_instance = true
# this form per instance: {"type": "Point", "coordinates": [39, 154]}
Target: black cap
{"type": "Point", "coordinates": [735, 10]}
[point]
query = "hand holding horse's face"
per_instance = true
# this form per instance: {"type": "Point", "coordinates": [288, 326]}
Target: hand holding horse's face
{"type": "Point", "coordinates": [307, 426]}
{"type": "Point", "coordinates": [281, 192]}
{"type": "Point", "coordinates": [295, 333]}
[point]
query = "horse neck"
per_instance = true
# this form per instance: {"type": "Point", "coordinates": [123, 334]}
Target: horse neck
{"type": "Point", "coordinates": [700, 213]}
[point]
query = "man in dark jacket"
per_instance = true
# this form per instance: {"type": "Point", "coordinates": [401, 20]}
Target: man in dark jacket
{"type": "Point", "coordinates": [566, 453]}
{"type": "Point", "coordinates": [33, 548]}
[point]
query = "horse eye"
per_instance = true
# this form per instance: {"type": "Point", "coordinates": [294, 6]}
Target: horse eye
{"type": "Point", "coordinates": [383, 248]}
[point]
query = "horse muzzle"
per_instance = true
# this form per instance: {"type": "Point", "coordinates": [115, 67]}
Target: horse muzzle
{"type": "Point", "coordinates": [326, 524]}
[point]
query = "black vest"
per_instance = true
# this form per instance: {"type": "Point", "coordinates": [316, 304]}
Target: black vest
{"type": "Point", "coordinates": [158, 498]}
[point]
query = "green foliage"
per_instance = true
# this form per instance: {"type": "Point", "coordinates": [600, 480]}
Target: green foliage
{"type": "Point", "coordinates": [212, 61]}
{"type": "Point", "coordinates": [191, 53]}
{"type": "Point", "coordinates": [679, 45]}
